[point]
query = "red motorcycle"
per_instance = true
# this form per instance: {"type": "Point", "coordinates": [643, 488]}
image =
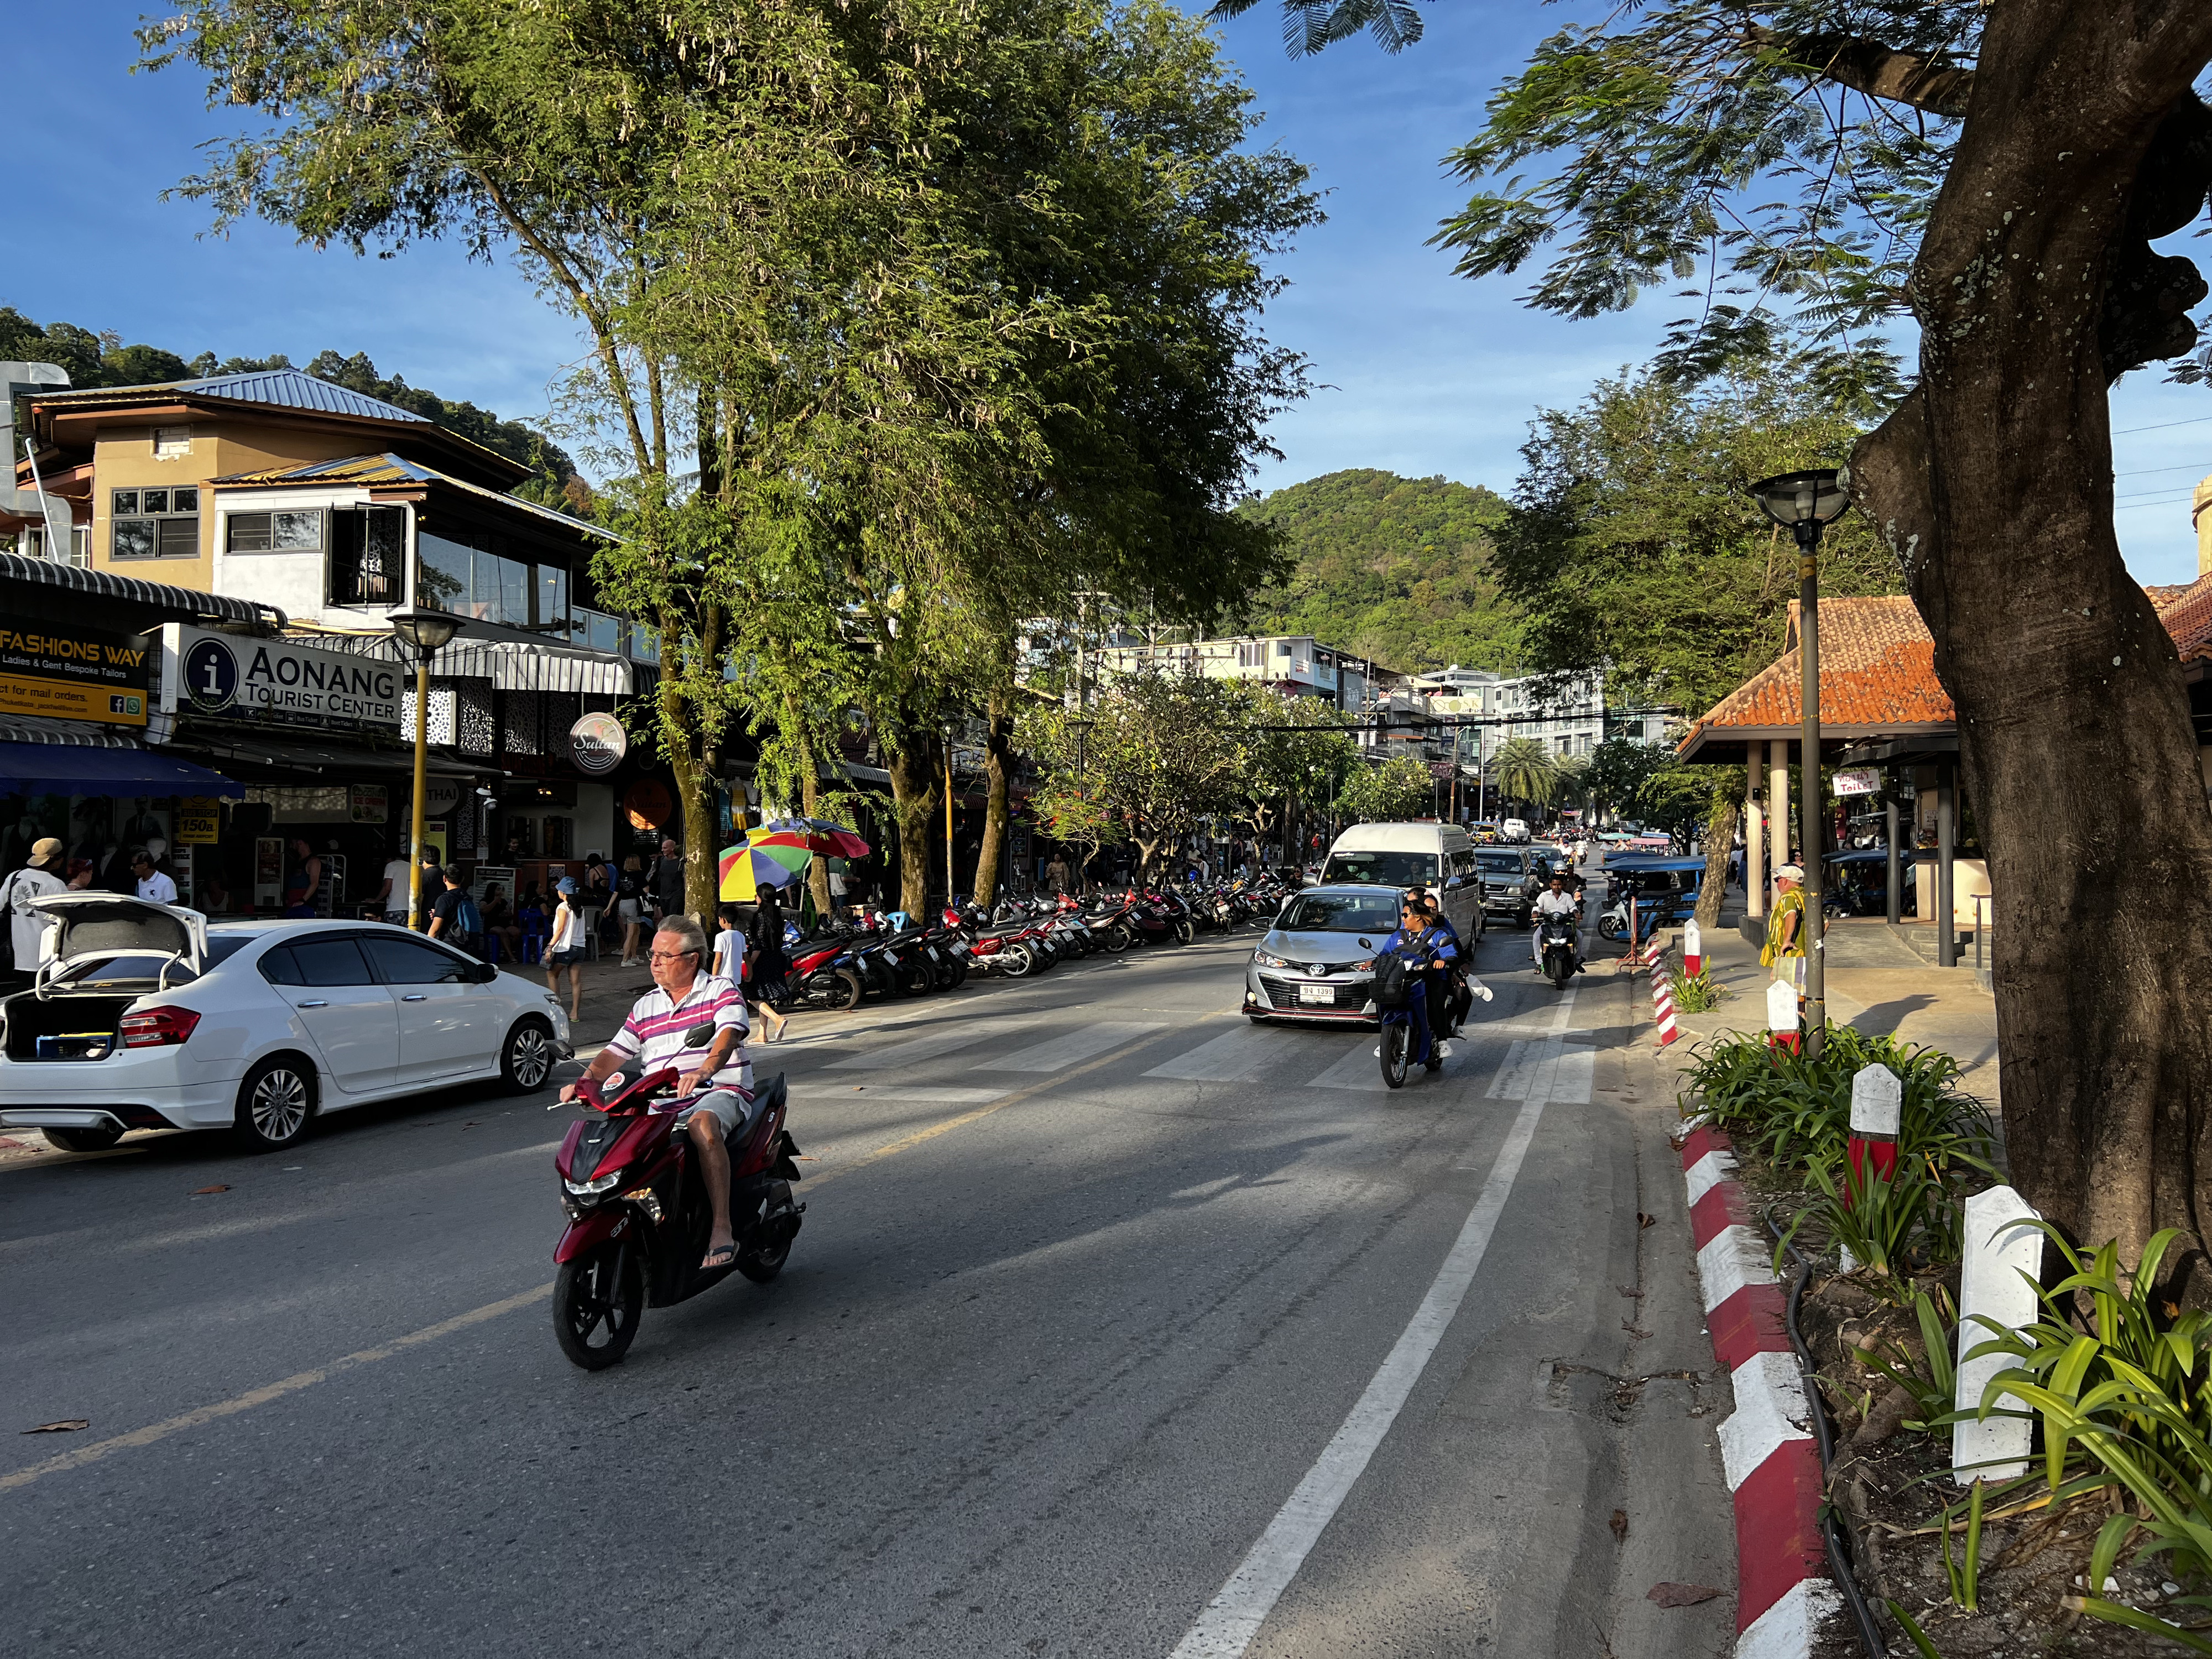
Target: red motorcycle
{"type": "Point", "coordinates": [638, 1214]}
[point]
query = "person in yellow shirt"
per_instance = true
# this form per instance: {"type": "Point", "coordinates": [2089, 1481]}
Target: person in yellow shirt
{"type": "Point", "coordinates": [1784, 951]}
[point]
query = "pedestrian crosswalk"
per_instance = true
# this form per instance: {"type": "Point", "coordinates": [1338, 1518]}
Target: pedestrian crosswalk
{"type": "Point", "coordinates": [1542, 1058]}
{"type": "Point", "coordinates": [1072, 1048]}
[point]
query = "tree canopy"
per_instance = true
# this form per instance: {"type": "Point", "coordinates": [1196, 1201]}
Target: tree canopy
{"type": "Point", "coordinates": [1397, 569]}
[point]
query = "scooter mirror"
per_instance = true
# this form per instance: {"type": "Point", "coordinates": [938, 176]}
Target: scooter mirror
{"type": "Point", "coordinates": [700, 1035]}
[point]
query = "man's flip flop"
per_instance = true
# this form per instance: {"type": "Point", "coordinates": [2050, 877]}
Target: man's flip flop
{"type": "Point", "coordinates": [721, 1256]}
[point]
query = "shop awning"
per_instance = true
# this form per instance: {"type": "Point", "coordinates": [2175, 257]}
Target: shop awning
{"type": "Point", "coordinates": [519, 663]}
{"type": "Point", "coordinates": [335, 759]}
{"type": "Point", "coordinates": [47, 768]}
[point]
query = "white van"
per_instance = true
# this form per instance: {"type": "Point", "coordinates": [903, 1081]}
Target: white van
{"type": "Point", "coordinates": [1437, 856]}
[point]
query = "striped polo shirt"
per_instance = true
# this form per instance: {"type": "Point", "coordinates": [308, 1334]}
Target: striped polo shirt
{"type": "Point", "coordinates": [656, 1026]}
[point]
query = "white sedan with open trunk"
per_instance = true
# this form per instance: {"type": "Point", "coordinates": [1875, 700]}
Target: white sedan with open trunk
{"type": "Point", "coordinates": [144, 1017]}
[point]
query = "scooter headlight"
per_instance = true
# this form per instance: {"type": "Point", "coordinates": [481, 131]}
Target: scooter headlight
{"type": "Point", "coordinates": [592, 1188]}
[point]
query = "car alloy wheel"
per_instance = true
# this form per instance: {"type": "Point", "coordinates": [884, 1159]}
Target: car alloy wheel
{"type": "Point", "coordinates": [275, 1103]}
{"type": "Point", "coordinates": [528, 1061]}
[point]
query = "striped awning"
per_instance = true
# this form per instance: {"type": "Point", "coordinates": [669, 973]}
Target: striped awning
{"type": "Point", "coordinates": [184, 604]}
{"type": "Point", "coordinates": [509, 664]}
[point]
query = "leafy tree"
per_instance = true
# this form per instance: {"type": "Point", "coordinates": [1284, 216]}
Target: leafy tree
{"type": "Point", "coordinates": [1524, 770]}
{"type": "Point", "coordinates": [1161, 753]}
{"type": "Point", "coordinates": [1999, 173]}
{"type": "Point", "coordinates": [1634, 546]}
{"type": "Point", "coordinates": [952, 304]}
{"type": "Point", "coordinates": [1616, 772]}
{"type": "Point", "coordinates": [1389, 791]}
{"type": "Point", "coordinates": [1397, 569]}
{"type": "Point", "coordinates": [1294, 750]}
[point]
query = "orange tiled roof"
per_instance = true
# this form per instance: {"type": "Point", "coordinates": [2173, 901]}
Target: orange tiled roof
{"type": "Point", "coordinates": [2188, 617]}
{"type": "Point", "coordinates": [1878, 671]}
{"type": "Point", "coordinates": [1877, 676]}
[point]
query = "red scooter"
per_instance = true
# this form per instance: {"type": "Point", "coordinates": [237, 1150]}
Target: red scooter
{"type": "Point", "coordinates": [638, 1214]}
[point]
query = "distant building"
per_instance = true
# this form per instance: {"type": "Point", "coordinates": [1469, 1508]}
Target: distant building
{"type": "Point", "coordinates": [1296, 665]}
{"type": "Point", "coordinates": [1566, 714]}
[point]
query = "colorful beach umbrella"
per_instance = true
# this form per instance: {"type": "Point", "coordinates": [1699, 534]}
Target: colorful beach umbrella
{"type": "Point", "coordinates": [820, 836]}
{"type": "Point", "coordinates": [745, 869]}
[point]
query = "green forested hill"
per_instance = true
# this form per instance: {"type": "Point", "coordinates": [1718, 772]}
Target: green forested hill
{"type": "Point", "coordinates": [1397, 569]}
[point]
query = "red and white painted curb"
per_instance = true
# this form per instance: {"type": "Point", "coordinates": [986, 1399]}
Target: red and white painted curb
{"type": "Point", "coordinates": [1662, 998]}
{"type": "Point", "coordinates": [1773, 1468]}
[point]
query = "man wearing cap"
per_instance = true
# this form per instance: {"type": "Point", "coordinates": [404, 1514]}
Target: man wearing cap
{"type": "Point", "coordinates": [1784, 951]}
{"type": "Point", "coordinates": [26, 926]}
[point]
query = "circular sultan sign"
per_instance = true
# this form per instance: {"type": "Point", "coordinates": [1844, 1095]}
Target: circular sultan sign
{"type": "Point", "coordinates": [210, 674]}
{"type": "Point", "coordinates": [648, 804]}
{"type": "Point", "coordinates": [597, 743]}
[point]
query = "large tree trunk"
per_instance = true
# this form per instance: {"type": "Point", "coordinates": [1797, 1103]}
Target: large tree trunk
{"type": "Point", "coordinates": [1993, 483]}
{"type": "Point", "coordinates": [817, 872]}
{"type": "Point", "coordinates": [911, 759]}
{"type": "Point", "coordinates": [1720, 841]}
{"type": "Point", "coordinates": [998, 769]}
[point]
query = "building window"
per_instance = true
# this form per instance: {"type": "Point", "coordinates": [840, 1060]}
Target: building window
{"type": "Point", "coordinates": [300, 531]}
{"type": "Point", "coordinates": [154, 523]}
{"type": "Point", "coordinates": [172, 443]}
{"type": "Point", "coordinates": [471, 582]}
{"type": "Point", "coordinates": [367, 553]}
{"type": "Point", "coordinates": [1282, 647]}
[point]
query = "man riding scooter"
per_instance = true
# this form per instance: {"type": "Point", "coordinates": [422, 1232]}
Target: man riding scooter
{"type": "Point", "coordinates": [1557, 902]}
{"type": "Point", "coordinates": [684, 995]}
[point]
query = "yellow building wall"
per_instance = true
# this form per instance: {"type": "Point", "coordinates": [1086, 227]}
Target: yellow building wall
{"type": "Point", "coordinates": [123, 459]}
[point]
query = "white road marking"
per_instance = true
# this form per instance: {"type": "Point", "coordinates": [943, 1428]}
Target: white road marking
{"type": "Point", "coordinates": [1232, 1057]}
{"type": "Point", "coordinates": [922, 1097]}
{"type": "Point", "coordinates": [1078, 1045]}
{"type": "Point", "coordinates": [914, 1049]}
{"type": "Point", "coordinates": [1544, 1068]}
{"type": "Point", "coordinates": [1358, 1069]}
{"type": "Point", "coordinates": [1233, 1618]}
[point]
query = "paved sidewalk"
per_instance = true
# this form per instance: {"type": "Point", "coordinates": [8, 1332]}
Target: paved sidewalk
{"type": "Point", "coordinates": [1876, 984]}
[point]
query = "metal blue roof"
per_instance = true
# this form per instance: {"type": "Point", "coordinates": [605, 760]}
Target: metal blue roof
{"type": "Point", "coordinates": [288, 388]}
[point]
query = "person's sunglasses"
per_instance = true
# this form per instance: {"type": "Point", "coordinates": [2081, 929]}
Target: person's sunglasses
{"type": "Point", "coordinates": [670, 956]}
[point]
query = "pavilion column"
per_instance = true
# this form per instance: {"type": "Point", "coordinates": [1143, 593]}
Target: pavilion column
{"type": "Point", "coordinates": [1754, 839]}
{"type": "Point", "coordinates": [1777, 802]}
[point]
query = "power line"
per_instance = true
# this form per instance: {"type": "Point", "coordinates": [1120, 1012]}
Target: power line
{"type": "Point", "coordinates": [2194, 419]}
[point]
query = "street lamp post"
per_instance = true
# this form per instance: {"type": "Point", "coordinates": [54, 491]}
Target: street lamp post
{"type": "Point", "coordinates": [1807, 503]}
{"type": "Point", "coordinates": [423, 632]}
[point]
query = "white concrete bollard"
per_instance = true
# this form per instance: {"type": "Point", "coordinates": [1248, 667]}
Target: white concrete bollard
{"type": "Point", "coordinates": [1782, 1008]}
{"type": "Point", "coordinates": [2000, 1244]}
{"type": "Point", "coordinates": [1877, 1102]}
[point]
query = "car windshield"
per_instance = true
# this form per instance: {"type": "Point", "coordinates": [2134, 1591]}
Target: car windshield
{"type": "Point", "coordinates": [1499, 864]}
{"type": "Point", "coordinates": [1384, 869]}
{"type": "Point", "coordinates": [1340, 913]}
{"type": "Point", "coordinates": [144, 967]}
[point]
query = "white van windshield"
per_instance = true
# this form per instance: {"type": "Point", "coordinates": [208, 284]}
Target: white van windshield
{"type": "Point", "coordinates": [1387, 869]}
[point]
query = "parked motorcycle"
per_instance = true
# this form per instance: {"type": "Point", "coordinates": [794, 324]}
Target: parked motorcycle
{"type": "Point", "coordinates": [638, 1212]}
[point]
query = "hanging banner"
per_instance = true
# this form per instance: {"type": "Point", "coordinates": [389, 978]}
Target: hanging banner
{"type": "Point", "coordinates": [237, 674]}
{"type": "Point", "coordinates": [370, 802]}
{"type": "Point", "coordinates": [73, 674]}
{"type": "Point", "coordinates": [199, 821]}
{"type": "Point", "coordinates": [1865, 780]}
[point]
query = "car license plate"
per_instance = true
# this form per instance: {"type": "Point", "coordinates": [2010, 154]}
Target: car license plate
{"type": "Point", "coordinates": [1317, 993]}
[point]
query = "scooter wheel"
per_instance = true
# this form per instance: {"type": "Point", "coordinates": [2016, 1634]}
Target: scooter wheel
{"type": "Point", "coordinates": [762, 1265]}
{"type": "Point", "coordinates": [598, 1300]}
{"type": "Point", "coordinates": [1015, 961]}
{"type": "Point", "coordinates": [1397, 1050]}
{"type": "Point", "coordinates": [1118, 939]}
{"type": "Point", "coordinates": [840, 991]}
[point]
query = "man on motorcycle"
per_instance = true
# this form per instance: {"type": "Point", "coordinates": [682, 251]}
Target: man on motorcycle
{"type": "Point", "coordinates": [684, 994]}
{"type": "Point", "coordinates": [1447, 997]}
{"type": "Point", "coordinates": [1420, 949]}
{"type": "Point", "coordinates": [1557, 902]}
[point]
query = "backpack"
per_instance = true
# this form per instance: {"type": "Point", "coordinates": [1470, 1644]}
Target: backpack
{"type": "Point", "coordinates": [1392, 977]}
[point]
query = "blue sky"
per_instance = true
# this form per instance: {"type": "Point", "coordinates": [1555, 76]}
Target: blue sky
{"type": "Point", "coordinates": [1424, 372]}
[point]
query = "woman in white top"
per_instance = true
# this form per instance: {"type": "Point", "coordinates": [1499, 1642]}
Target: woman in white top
{"type": "Point", "coordinates": [564, 949]}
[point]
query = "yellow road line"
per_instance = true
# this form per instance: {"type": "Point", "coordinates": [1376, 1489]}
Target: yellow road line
{"type": "Point", "coordinates": [81, 1455]}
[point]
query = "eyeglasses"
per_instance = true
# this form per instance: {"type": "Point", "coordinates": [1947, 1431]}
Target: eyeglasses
{"type": "Point", "coordinates": [670, 956]}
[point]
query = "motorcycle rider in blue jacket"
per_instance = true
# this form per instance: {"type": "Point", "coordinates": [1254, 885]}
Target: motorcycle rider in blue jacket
{"type": "Point", "coordinates": [1428, 957]}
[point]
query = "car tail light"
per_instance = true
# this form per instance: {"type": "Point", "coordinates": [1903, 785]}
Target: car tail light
{"type": "Point", "coordinates": [158, 1028]}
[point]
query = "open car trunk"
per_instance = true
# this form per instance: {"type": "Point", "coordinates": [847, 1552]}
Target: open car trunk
{"type": "Point", "coordinates": [66, 1025]}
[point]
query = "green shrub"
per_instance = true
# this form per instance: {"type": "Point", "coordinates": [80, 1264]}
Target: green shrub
{"type": "Point", "coordinates": [1797, 1112]}
{"type": "Point", "coordinates": [1696, 993]}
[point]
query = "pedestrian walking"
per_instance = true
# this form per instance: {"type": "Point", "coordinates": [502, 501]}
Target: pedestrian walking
{"type": "Point", "coordinates": [391, 897]}
{"type": "Point", "coordinates": [630, 907]}
{"type": "Point", "coordinates": [303, 888]}
{"type": "Point", "coordinates": [667, 882]}
{"type": "Point", "coordinates": [767, 969]}
{"type": "Point", "coordinates": [26, 927]}
{"type": "Point", "coordinates": [1056, 873]}
{"type": "Point", "coordinates": [565, 946]}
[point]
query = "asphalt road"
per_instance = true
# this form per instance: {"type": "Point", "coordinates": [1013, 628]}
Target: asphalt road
{"type": "Point", "coordinates": [1109, 1307]}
